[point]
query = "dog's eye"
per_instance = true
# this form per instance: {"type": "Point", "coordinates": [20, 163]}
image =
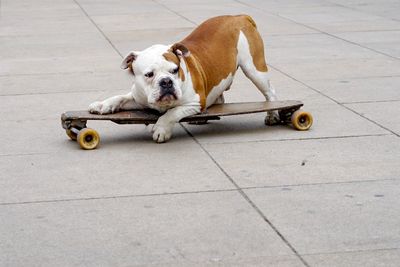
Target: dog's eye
{"type": "Point", "coordinates": [175, 71]}
{"type": "Point", "coordinates": [149, 74]}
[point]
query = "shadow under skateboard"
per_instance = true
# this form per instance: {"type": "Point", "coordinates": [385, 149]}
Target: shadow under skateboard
{"type": "Point", "coordinates": [74, 122]}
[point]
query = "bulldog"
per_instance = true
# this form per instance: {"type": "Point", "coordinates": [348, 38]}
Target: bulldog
{"type": "Point", "coordinates": [185, 78]}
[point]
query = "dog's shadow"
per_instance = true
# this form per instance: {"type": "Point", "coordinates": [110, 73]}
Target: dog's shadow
{"type": "Point", "coordinates": [226, 128]}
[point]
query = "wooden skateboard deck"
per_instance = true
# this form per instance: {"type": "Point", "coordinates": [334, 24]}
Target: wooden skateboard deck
{"type": "Point", "coordinates": [75, 121]}
{"type": "Point", "coordinates": [151, 116]}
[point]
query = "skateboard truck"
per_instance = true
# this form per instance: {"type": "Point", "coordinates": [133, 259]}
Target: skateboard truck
{"type": "Point", "coordinates": [74, 122]}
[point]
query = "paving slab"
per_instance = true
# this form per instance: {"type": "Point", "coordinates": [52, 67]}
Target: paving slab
{"type": "Point", "coordinates": [384, 113]}
{"type": "Point", "coordinates": [358, 25]}
{"type": "Point", "coordinates": [202, 11]}
{"type": "Point", "coordinates": [30, 137]}
{"type": "Point", "coordinates": [331, 192]}
{"type": "Point", "coordinates": [342, 68]}
{"type": "Point", "coordinates": [59, 64]}
{"type": "Point", "coordinates": [322, 15]}
{"type": "Point", "coordinates": [368, 89]}
{"type": "Point", "coordinates": [267, 24]}
{"type": "Point", "coordinates": [202, 6]}
{"type": "Point", "coordinates": [334, 218]}
{"type": "Point", "coordinates": [28, 127]}
{"type": "Point", "coordinates": [109, 7]}
{"type": "Point", "coordinates": [387, 42]}
{"type": "Point", "coordinates": [312, 47]}
{"type": "Point", "coordinates": [342, 58]}
{"type": "Point", "coordinates": [277, 6]}
{"type": "Point", "coordinates": [39, 9]}
{"type": "Point", "coordinates": [333, 19]}
{"type": "Point", "coordinates": [126, 41]}
{"type": "Point", "coordinates": [46, 135]}
{"type": "Point", "coordinates": [278, 163]}
{"type": "Point", "coordinates": [129, 22]}
{"type": "Point", "coordinates": [368, 258]}
{"type": "Point", "coordinates": [72, 45]}
{"type": "Point", "coordinates": [330, 118]}
{"type": "Point", "coordinates": [20, 25]}
{"type": "Point", "coordinates": [126, 163]}
{"type": "Point", "coordinates": [175, 230]}
{"type": "Point", "coordinates": [67, 82]}
{"type": "Point", "coordinates": [386, 8]}
{"type": "Point", "coordinates": [30, 107]}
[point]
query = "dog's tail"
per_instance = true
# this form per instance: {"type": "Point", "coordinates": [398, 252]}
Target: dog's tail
{"type": "Point", "coordinates": [250, 19]}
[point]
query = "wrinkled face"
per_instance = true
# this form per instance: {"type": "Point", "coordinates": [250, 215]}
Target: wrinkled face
{"type": "Point", "coordinates": [158, 75]}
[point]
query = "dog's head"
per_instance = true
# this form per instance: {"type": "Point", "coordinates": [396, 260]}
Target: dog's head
{"type": "Point", "coordinates": [158, 73]}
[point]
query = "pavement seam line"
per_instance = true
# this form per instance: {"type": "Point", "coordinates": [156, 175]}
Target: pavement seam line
{"type": "Point", "coordinates": [315, 90]}
{"type": "Point", "coordinates": [218, 143]}
{"type": "Point", "coordinates": [173, 11]}
{"type": "Point", "coordinates": [190, 192]}
{"type": "Point", "coordinates": [361, 11]}
{"type": "Point", "coordinates": [247, 198]}
{"type": "Point", "coordinates": [114, 197]}
{"type": "Point", "coordinates": [298, 139]}
{"type": "Point", "coordinates": [351, 251]}
{"type": "Point", "coordinates": [320, 31]}
{"type": "Point", "coordinates": [24, 154]}
{"type": "Point", "coordinates": [319, 184]}
{"type": "Point", "coordinates": [5, 75]}
{"type": "Point", "coordinates": [370, 102]}
{"type": "Point", "coordinates": [98, 28]}
{"type": "Point", "coordinates": [337, 102]}
{"type": "Point", "coordinates": [57, 93]}
{"type": "Point", "coordinates": [346, 40]}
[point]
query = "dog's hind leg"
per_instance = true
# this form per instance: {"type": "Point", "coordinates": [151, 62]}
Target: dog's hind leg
{"type": "Point", "coordinates": [220, 99]}
{"type": "Point", "coordinates": [252, 61]}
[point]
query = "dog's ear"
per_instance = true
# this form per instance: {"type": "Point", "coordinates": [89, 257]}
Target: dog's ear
{"type": "Point", "coordinates": [128, 60]}
{"type": "Point", "coordinates": [180, 50]}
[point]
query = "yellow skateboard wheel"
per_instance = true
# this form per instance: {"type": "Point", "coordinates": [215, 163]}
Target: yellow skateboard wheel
{"type": "Point", "coordinates": [88, 138]}
{"type": "Point", "coordinates": [302, 120]}
{"type": "Point", "coordinates": [71, 134]}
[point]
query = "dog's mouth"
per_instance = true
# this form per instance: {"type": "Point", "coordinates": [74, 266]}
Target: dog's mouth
{"type": "Point", "coordinates": [167, 97]}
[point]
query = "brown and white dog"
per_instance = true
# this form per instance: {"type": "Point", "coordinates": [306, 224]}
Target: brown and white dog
{"type": "Point", "coordinates": [185, 78]}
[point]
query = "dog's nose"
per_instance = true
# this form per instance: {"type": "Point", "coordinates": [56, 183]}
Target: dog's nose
{"type": "Point", "coordinates": [166, 83]}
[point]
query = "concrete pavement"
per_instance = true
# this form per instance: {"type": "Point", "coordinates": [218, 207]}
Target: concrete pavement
{"type": "Point", "coordinates": [230, 193]}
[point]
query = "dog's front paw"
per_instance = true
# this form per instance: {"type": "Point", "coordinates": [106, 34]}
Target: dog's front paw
{"type": "Point", "coordinates": [161, 133]}
{"type": "Point", "coordinates": [100, 108]}
{"type": "Point", "coordinates": [272, 118]}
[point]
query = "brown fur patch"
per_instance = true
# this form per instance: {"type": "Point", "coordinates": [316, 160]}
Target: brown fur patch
{"type": "Point", "coordinates": [170, 56]}
{"type": "Point", "coordinates": [256, 46]}
{"type": "Point", "coordinates": [213, 51]}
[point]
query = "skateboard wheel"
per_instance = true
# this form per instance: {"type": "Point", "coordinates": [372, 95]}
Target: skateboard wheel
{"type": "Point", "coordinates": [88, 138]}
{"type": "Point", "coordinates": [302, 120]}
{"type": "Point", "coordinates": [71, 134]}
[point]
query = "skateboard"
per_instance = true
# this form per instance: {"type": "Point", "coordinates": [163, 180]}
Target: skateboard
{"type": "Point", "coordinates": [74, 122]}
